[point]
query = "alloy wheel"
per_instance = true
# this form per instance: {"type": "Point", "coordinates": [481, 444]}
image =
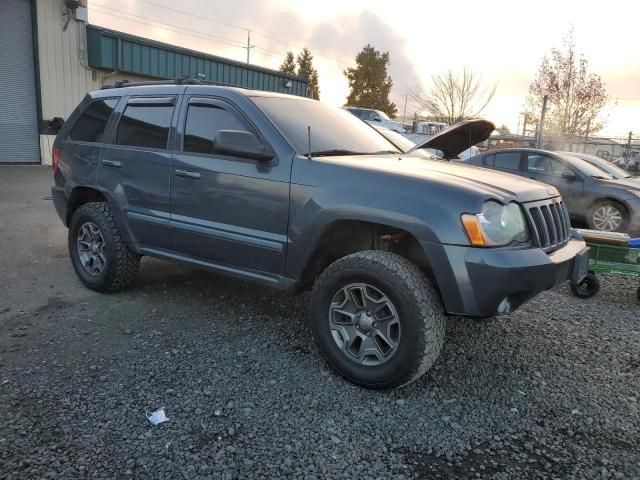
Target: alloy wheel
{"type": "Point", "coordinates": [607, 218]}
{"type": "Point", "coordinates": [364, 324]}
{"type": "Point", "coordinates": [90, 244]}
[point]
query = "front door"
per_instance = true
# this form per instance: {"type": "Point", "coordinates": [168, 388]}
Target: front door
{"type": "Point", "coordinates": [225, 209]}
{"type": "Point", "coordinates": [550, 170]}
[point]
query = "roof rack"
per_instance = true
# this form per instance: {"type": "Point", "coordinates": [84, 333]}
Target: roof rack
{"type": "Point", "coordinates": [170, 81]}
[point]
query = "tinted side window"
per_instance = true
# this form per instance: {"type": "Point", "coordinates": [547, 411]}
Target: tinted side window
{"type": "Point", "coordinates": [537, 163]}
{"type": "Point", "coordinates": [488, 160]}
{"type": "Point", "coordinates": [544, 165]}
{"type": "Point", "coordinates": [557, 167]}
{"type": "Point", "coordinates": [507, 160]}
{"type": "Point", "coordinates": [145, 126]}
{"type": "Point", "coordinates": [92, 123]}
{"type": "Point", "coordinates": [203, 124]}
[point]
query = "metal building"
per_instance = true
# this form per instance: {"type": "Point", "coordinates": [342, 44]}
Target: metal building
{"type": "Point", "coordinates": [51, 58]}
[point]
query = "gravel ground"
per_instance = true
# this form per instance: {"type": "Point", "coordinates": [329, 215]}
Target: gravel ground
{"type": "Point", "coordinates": [550, 391]}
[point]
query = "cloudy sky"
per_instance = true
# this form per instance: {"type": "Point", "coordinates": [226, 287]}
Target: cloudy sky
{"type": "Point", "coordinates": [501, 40]}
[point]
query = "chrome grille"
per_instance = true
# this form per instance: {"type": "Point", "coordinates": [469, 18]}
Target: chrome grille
{"type": "Point", "coordinates": [549, 223]}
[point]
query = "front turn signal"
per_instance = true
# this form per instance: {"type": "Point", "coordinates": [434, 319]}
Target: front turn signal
{"type": "Point", "coordinates": [473, 229]}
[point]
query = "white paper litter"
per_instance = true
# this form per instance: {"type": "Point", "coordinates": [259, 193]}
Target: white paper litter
{"type": "Point", "coordinates": [157, 417]}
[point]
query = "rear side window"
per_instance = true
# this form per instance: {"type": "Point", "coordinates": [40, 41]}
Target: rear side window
{"type": "Point", "coordinates": [145, 125]}
{"type": "Point", "coordinates": [91, 124]}
{"type": "Point", "coordinates": [203, 124]}
{"type": "Point", "coordinates": [507, 160]}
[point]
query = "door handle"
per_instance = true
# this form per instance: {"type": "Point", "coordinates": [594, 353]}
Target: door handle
{"type": "Point", "coordinates": [111, 163]}
{"type": "Point", "coordinates": [187, 173]}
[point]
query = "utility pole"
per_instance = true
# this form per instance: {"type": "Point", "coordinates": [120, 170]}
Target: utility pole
{"type": "Point", "coordinates": [629, 147]}
{"type": "Point", "coordinates": [249, 46]}
{"type": "Point", "coordinates": [404, 112]}
{"type": "Point", "coordinates": [541, 122]}
{"type": "Point", "coordinates": [586, 137]}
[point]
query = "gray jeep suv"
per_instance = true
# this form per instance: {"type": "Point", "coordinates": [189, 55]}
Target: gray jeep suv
{"type": "Point", "coordinates": [297, 194]}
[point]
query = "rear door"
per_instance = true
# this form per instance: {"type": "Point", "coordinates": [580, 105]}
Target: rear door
{"type": "Point", "coordinates": [135, 167]}
{"type": "Point", "coordinates": [226, 209]}
{"type": "Point", "coordinates": [549, 170]}
{"type": "Point", "coordinates": [82, 144]}
{"type": "Point", "coordinates": [510, 162]}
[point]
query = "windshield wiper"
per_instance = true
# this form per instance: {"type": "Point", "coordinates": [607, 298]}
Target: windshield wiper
{"type": "Point", "coordinates": [600, 177]}
{"type": "Point", "coordinates": [340, 152]}
{"type": "Point", "coordinates": [336, 152]}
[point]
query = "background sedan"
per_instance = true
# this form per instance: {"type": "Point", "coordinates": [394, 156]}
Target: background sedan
{"type": "Point", "coordinates": [592, 194]}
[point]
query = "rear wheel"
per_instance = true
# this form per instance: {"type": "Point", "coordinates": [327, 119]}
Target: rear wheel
{"type": "Point", "coordinates": [587, 287]}
{"type": "Point", "coordinates": [608, 216]}
{"type": "Point", "coordinates": [99, 254]}
{"type": "Point", "coordinates": [377, 319]}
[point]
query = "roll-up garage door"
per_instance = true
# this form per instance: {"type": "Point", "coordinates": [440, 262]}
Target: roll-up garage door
{"type": "Point", "coordinates": [19, 142]}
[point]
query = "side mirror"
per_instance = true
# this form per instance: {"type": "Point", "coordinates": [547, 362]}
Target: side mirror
{"type": "Point", "coordinates": [241, 144]}
{"type": "Point", "coordinates": [569, 175]}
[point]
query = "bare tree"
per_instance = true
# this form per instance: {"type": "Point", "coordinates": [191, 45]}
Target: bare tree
{"type": "Point", "coordinates": [454, 96]}
{"type": "Point", "coordinates": [576, 97]}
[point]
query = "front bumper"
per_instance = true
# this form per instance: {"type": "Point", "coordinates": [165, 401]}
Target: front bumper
{"type": "Point", "coordinates": [485, 282]}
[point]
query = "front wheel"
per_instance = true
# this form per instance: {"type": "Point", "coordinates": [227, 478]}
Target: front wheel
{"type": "Point", "coordinates": [377, 319]}
{"type": "Point", "coordinates": [587, 287]}
{"type": "Point", "coordinates": [608, 216]}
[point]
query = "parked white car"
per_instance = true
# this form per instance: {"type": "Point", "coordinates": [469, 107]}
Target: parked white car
{"type": "Point", "coordinates": [376, 118]}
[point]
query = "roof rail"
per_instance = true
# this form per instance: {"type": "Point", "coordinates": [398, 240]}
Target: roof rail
{"type": "Point", "coordinates": [170, 81]}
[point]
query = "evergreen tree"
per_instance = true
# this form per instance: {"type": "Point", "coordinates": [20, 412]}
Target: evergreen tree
{"type": "Point", "coordinates": [308, 72]}
{"type": "Point", "coordinates": [289, 64]}
{"type": "Point", "coordinates": [370, 82]}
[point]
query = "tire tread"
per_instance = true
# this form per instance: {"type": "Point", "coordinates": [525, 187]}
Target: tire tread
{"type": "Point", "coordinates": [415, 287]}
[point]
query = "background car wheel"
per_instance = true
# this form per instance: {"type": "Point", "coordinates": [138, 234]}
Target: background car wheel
{"type": "Point", "coordinates": [377, 319]}
{"type": "Point", "coordinates": [98, 252]}
{"type": "Point", "coordinates": [588, 287]}
{"type": "Point", "coordinates": [608, 216]}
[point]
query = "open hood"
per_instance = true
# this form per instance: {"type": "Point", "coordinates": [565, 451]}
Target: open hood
{"type": "Point", "coordinates": [457, 138]}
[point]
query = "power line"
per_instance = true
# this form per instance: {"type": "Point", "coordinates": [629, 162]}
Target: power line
{"type": "Point", "coordinates": [239, 27]}
{"type": "Point", "coordinates": [181, 30]}
{"type": "Point", "coordinates": [153, 23]}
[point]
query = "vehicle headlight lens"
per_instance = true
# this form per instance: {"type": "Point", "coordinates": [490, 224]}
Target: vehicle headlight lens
{"type": "Point", "coordinates": [496, 225]}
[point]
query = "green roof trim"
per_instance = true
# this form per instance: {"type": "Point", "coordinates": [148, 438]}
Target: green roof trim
{"type": "Point", "coordinates": [111, 50]}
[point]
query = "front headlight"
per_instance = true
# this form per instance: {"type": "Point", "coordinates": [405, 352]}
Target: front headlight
{"type": "Point", "coordinates": [496, 225]}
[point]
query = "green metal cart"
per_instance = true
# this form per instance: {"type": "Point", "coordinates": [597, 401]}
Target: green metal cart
{"type": "Point", "coordinates": [604, 257]}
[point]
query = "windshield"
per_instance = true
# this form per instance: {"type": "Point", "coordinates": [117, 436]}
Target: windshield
{"type": "Point", "coordinates": [399, 140]}
{"type": "Point", "coordinates": [334, 131]}
{"type": "Point", "coordinates": [587, 169]}
{"type": "Point", "coordinates": [609, 167]}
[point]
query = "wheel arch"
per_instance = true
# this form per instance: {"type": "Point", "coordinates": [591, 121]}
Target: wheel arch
{"type": "Point", "coordinates": [342, 237]}
{"type": "Point", "coordinates": [81, 195]}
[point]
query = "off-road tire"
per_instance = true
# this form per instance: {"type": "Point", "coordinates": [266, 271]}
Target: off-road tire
{"type": "Point", "coordinates": [419, 309]}
{"type": "Point", "coordinates": [586, 288]}
{"type": "Point", "coordinates": [122, 264]}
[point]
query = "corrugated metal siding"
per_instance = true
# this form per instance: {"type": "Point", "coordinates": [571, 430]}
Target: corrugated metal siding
{"type": "Point", "coordinates": [19, 142]}
{"type": "Point", "coordinates": [118, 51]}
{"type": "Point", "coordinates": [65, 77]}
